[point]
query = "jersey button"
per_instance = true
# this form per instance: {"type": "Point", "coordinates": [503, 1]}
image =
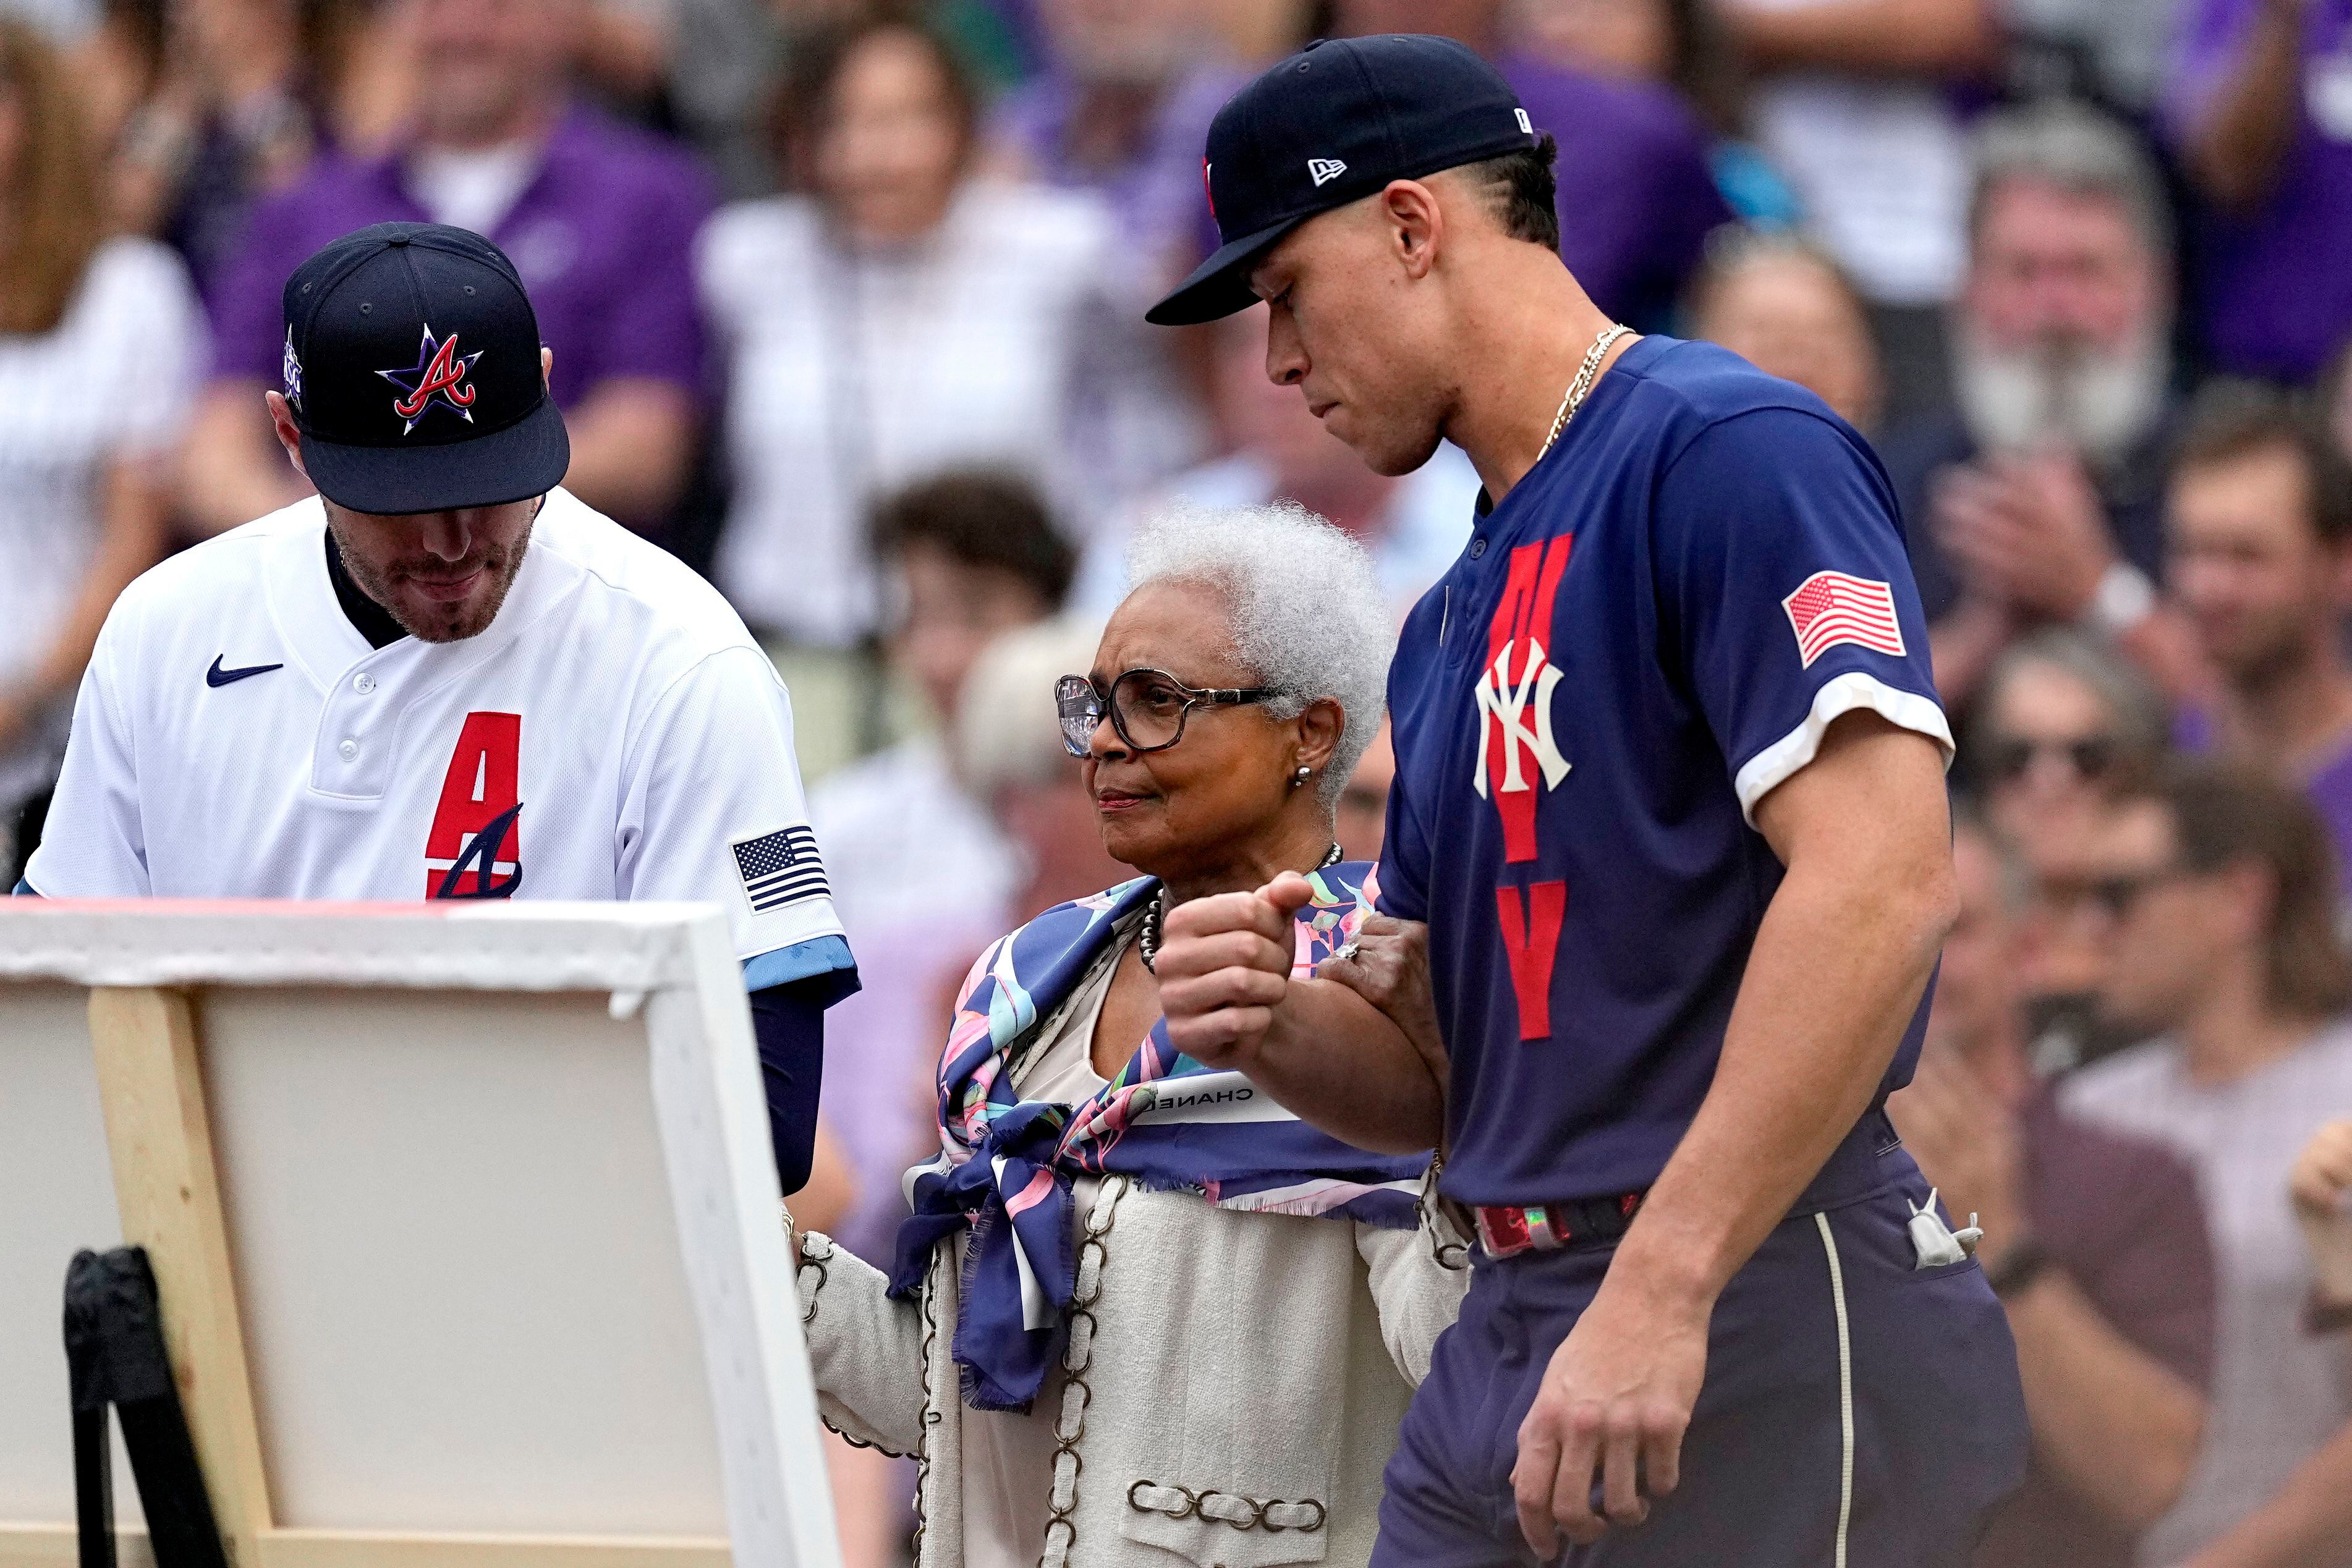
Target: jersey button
{"type": "Point", "coordinates": [364, 683]}
{"type": "Point", "coordinates": [1477, 548]}
{"type": "Point", "coordinates": [349, 749]}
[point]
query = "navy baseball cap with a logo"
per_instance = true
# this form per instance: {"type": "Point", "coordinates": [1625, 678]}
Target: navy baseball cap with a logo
{"type": "Point", "coordinates": [412, 369]}
{"type": "Point", "coordinates": [1329, 126]}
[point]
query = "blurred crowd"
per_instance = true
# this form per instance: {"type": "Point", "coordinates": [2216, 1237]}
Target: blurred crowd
{"type": "Point", "coordinates": [846, 305]}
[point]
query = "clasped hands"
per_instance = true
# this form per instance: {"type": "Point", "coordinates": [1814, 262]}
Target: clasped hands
{"type": "Point", "coordinates": [1603, 1435]}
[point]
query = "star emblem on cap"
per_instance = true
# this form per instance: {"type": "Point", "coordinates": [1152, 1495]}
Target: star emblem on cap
{"type": "Point", "coordinates": [437, 377]}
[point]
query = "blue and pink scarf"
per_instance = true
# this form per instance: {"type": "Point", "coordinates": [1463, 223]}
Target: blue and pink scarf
{"type": "Point", "coordinates": [1166, 1121]}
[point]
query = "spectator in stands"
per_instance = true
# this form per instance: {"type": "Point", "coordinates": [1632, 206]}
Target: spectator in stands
{"type": "Point", "coordinates": [100, 343]}
{"type": "Point", "coordinates": [600, 221]}
{"type": "Point", "coordinates": [2063, 724]}
{"type": "Point", "coordinates": [2309, 1521]}
{"type": "Point", "coordinates": [2260, 543]}
{"type": "Point", "coordinates": [2224, 946]}
{"type": "Point", "coordinates": [1413, 526]}
{"type": "Point", "coordinates": [1122, 108]}
{"type": "Point", "coordinates": [2260, 111]}
{"type": "Point", "coordinates": [2115, 56]}
{"type": "Point", "coordinates": [1635, 191]}
{"type": "Point", "coordinates": [2035, 499]}
{"type": "Point", "coordinates": [2093, 1240]}
{"type": "Point", "coordinates": [1682, 45]}
{"type": "Point", "coordinates": [1783, 306]}
{"type": "Point", "coordinates": [923, 876]}
{"type": "Point", "coordinates": [241, 96]}
{"type": "Point", "coordinates": [1854, 98]}
{"type": "Point", "coordinates": [897, 318]}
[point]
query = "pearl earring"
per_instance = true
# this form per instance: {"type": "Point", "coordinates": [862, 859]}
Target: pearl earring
{"type": "Point", "coordinates": [1302, 775]}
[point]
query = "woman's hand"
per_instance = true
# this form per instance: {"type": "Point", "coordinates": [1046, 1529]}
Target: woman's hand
{"type": "Point", "coordinates": [1224, 965]}
{"type": "Point", "coordinates": [1388, 965]}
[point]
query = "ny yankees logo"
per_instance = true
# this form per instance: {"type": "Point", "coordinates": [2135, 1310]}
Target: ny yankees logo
{"type": "Point", "coordinates": [1519, 677]}
{"type": "Point", "coordinates": [438, 376]}
{"type": "Point", "coordinates": [1506, 734]}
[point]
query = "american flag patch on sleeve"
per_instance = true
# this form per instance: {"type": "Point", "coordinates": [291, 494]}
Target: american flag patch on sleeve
{"type": "Point", "coordinates": [780, 868]}
{"type": "Point", "coordinates": [1832, 607]}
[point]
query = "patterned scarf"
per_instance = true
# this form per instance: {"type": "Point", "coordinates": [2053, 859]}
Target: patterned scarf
{"type": "Point", "coordinates": [1166, 1121]}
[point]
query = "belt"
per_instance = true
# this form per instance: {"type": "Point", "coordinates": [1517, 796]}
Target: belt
{"type": "Point", "coordinates": [1854, 1169]}
{"type": "Point", "coordinates": [1507, 1230]}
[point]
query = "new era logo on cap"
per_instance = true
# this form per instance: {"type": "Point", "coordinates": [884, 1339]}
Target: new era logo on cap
{"type": "Point", "coordinates": [1355, 113]}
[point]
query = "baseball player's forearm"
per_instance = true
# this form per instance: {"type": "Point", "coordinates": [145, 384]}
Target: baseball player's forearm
{"type": "Point", "coordinates": [788, 1023]}
{"type": "Point", "coordinates": [1340, 1062]}
{"type": "Point", "coordinates": [1836, 973]}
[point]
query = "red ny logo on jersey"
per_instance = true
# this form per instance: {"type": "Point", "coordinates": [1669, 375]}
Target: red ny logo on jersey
{"type": "Point", "coordinates": [474, 848]}
{"type": "Point", "coordinates": [1515, 754]}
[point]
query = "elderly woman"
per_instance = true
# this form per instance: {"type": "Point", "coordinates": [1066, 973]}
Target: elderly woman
{"type": "Point", "coordinates": [1139, 1309]}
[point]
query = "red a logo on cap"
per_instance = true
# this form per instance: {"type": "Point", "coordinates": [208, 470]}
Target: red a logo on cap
{"type": "Point", "coordinates": [439, 374]}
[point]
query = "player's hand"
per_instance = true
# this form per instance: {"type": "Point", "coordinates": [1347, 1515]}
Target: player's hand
{"type": "Point", "coordinates": [1389, 969]}
{"type": "Point", "coordinates": [1614, 1405]}
{"type": "Point", "coordinates": [1224, 965]}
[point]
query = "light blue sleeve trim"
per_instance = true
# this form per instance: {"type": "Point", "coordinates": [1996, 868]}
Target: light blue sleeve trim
{"type": "Point", "coordinates": [781, 966]}
{"type": "Point", "coordinates": [25, 889]}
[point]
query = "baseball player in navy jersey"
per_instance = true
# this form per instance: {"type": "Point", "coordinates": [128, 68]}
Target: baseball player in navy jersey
{"type": "Point", "coordinates": [1669, 826]}
{"type": "Point", "coordinates": [443, 676]}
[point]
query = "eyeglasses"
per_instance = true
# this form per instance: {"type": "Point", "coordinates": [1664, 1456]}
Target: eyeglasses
{"type": "Point", "coordinates": [1147, 707]}
{"type": "Point", "coordinates": [2091, 756]}
{"type": "Point", "coordinates": [2118, 897]}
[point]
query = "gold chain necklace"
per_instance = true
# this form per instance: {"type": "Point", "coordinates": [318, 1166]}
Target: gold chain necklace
{"type": "Point", "coordinates": [1574, 399]}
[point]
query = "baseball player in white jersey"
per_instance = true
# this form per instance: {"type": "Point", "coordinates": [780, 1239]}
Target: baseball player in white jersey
{"type": "Point", "coordinates": [445, 677]}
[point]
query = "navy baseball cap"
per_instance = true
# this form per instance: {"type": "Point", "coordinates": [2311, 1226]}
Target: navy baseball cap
{"type": "Point", "coordinates": [412, 369]}
{"type": "Point", "coordinates": [1329, 126]}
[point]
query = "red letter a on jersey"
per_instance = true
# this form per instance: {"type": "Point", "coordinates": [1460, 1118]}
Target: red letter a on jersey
{"type": "Point", "coordinates": [1532, 941]}
{"type": "Point", "coordinates": [478, 799]}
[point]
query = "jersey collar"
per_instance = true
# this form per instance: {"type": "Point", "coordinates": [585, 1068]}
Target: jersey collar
{"type": "Point", "coordinates": [323, 643]}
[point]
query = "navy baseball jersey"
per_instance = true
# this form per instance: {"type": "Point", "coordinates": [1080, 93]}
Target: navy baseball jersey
{"type": "Point", "coordinates": [1653, 628]}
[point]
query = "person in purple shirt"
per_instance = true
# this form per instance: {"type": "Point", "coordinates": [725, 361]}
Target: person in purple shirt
{"type": "Point", "coordinates": [600, 220]}
{"type": "Point", "coordinates": [1637, 196]}
{"type": "Point", "coordinates": [2259, 537]}
{"type": "Point", "coordinates": [2260, 109]}
{"type": "Point", "coordinates": [1121, 110]}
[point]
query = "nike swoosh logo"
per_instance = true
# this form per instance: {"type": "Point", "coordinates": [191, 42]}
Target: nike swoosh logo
{"type": "Point", "coordinates": [217, 677]}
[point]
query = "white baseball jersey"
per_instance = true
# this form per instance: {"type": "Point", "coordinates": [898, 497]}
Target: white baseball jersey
{"type": "Point", "coordinates": [615, 733]}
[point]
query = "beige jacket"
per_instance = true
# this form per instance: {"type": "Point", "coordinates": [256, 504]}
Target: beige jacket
{"type": "Point", "coordinates": [1256, 1438]}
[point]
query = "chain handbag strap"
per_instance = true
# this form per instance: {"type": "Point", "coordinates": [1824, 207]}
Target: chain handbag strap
{"type": "Point", "coordinates": [1579, 389]}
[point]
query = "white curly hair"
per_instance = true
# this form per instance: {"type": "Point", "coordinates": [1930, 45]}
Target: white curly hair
{"type": "Point", "coordinates": [1308, 617]}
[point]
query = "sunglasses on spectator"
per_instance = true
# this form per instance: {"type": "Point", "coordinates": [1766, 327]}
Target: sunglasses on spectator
{"type": "Point", "coordinates": [1148, 707]}
{"type": "Point", "coordinates": [2091, 756]}
{"type": "Point", "coordinates": [2116, 896]}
